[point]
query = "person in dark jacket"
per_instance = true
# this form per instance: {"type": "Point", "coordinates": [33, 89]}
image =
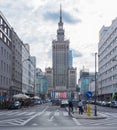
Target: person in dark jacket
{"type": "Point", "coordinates": [70, 107]}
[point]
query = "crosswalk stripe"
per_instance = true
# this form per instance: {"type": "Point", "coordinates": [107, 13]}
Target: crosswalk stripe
{"type": "Point", "coordinates": [108, 114]}
{"type": "Point", "coordinates": [4, 113]}
{"type": "Point", "coordinates": [57, 113]}
{"type": "Point", "coordinates": [65, 113]}
{"type": "Point", "coordinates": [111, 114]}
{"type": "Point", "coordinates": [47, 113]}
{"type": "Point", "coordinates": [21, 113]}
{"type": "Point", "coordinates": [12, 113]}
{"type": "Point", "coordinates": [31, 113]}
{"type": "Point", "coordinates": [76, 121]}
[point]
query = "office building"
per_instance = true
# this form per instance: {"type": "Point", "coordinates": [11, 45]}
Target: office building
{"type": "Point", "coordinates": [49, 76]}
{"type": "Point", "coordinates": [107, 51]}
{"type": "Point", "coordinates": [85, 79]}
{"type": "Point", "coordinates": [16, 64]}
{"type": "Point", "coordinates": [70, 59]}
{"type": "Point", "coordinates": [5, 58]}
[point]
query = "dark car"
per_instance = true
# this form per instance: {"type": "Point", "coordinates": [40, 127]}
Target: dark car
{"type": "Point", "coordinates": [14, 105]}
{"type": "Point", "coordinates": [55, 102]}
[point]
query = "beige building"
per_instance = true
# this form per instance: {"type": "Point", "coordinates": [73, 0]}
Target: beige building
{"type": "Point", "coordinates": [72, 79]}
{"type": "Point", "coordinates": [49, 75]}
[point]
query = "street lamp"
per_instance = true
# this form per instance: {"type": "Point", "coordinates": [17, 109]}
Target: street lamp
{"type": "Point", "coordinates": [95, 109]}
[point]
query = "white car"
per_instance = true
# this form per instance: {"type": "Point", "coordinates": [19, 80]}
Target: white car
{"type": "Point", "coordinates": [64, 103]}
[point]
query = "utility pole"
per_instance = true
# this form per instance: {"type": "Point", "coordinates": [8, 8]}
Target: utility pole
{"type": "Point", "coordinates": [95, 109]}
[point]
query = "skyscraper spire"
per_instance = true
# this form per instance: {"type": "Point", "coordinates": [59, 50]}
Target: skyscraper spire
{"type": "Point", "coordinates": [60, 13]}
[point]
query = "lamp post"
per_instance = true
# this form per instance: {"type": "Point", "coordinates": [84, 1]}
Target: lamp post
{"type": "Point", "coordinates": [95, 109]}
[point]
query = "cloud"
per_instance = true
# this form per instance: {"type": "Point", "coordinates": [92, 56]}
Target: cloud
{"type": "Point", "coordinates": [76, 53]}
{"type": "Point", "coordinates": [54, 16]}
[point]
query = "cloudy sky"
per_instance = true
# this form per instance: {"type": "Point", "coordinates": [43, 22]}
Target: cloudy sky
{"type": "Point", "coordinates": [36, 23]}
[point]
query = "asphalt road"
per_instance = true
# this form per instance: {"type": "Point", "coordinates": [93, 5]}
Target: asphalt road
{"type": "Point", "coordinates": [48, 117]}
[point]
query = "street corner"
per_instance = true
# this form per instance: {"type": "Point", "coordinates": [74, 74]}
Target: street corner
{"type": "Point", "coordinates": [85, 116]}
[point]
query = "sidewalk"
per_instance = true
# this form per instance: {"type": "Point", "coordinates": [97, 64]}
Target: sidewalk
{"type": "Point", "coordinates": [85, 116]}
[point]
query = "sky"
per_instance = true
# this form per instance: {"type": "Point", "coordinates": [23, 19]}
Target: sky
{"type": "Point", "coordinates": [36, 23]}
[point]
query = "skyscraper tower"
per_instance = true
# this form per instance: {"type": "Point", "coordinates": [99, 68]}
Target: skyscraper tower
{"type": "Point", "coordinates": [60, 57]}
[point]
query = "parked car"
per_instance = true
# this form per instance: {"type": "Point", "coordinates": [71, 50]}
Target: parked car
{"type": "Point", "coordinates": [64, 103]}
{"type": "Point", "coordinates": [108, 104]}
{"type": "Point", "coordinates": [103, 103]}
{"type": "Point", "coordinates": [113, 104]}
{"type": "Point", "coordinates": [14, 105]}
{"type": "Point", "coordinates": [55, 102]}
{"type": "Point", "coordinates": [37, 102]}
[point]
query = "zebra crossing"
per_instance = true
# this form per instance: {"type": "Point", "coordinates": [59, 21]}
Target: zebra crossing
{"type": "Point", "coordinates": [16, 113]}
{"type": "Point", "coordinates": [20, 118]}
{"type": "Point", "coordinates": [110, 120]}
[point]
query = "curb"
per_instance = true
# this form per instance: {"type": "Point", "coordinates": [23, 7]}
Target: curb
{"type": "Point", "coordinates": [84, 116]}
{"type": "Point", "coordinates": [88, 117]}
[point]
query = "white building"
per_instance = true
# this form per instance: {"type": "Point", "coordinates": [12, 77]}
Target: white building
{"type": "Point", "coordinates": [107, 49]}
{"type": "Point", "coordinates": [49, 75]}
{"type": "Point", "coordinates": [28, 71]}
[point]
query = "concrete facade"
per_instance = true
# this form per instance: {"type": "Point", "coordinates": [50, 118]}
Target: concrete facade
{"type": "Point", "coordinates": [107, 49]}
{"type": "Point", "coordinates": [16, 86]}
{"type": "Point", "coordinates": [41, 83]}
{"type": "Point", "coordinates": [72, 73]}
{"type": "Point", "coordinates": [64, 76]}
{"type": "Point", "coordinates": [70, 59]}
{"type": "Point", "coordinates": [5, 58]}
{"type": "Point", "coordinates": [28, 71]}
{"type": "Point", "coordinates": [60, 54]}
{"type": "Point", "coordinates": [85, 79]}
{"type": "Point", "coordinates": [49, 76]}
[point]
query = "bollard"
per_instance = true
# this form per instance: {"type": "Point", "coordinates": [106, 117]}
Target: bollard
{"type": "Point", "coordinates": [88, 110]}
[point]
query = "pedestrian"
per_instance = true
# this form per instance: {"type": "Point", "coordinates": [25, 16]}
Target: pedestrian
{"type": "Point", "coordinates": [70, 106]}
{"type": "Point", "coordinates": [80, 105]}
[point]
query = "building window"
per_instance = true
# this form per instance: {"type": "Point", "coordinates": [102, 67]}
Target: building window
{"type": "Point", "coordinates": [1, 80]}
{"type": "Point", "coordinates": [0, 34]}
{"type": "Point", "coordinates": [1, 50]}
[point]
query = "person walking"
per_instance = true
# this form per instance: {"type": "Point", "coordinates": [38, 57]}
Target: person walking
{"type": "Point", "coordinates": [80, 105]}
{"type": "Point", "coordinates": [70, 107]}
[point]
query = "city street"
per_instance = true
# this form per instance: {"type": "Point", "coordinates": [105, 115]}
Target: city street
{"type": "Point", "coordinates": [48, 117]}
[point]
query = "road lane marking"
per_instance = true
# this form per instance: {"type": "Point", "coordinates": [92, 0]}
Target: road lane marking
{"type": "Point", "coordinates": [56, 113]}
{"type": "Point", "coordinates": [76, 121]}
{"type": "Point", "coordinates": [34, 124]}
{"type": "Point", "coordinates": [13, 113]}
{"type": "Point", "coordinates": [51, 119]}
{"type": "Point", "coordinates": [47, 113]}
{"type": "Point", "coordinates": [65, 113]}
{"type": "Point", "coordinates": [31, 113]}
{"type": "Point", "coordinates": [38, 114]}
{"type": "Point", "coordinates": [21, 113]}
{"type": "Point", "coordinates": [4, 113]}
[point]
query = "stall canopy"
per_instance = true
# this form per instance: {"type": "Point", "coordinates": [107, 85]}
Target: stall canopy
{"type": "Point", "coordinates": [36, 97]}
{"type": "Point", "coordinates": [21, 96]}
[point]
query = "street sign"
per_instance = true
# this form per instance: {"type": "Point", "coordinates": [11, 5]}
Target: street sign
{"type": "Point", "coordinates": [89, 94]}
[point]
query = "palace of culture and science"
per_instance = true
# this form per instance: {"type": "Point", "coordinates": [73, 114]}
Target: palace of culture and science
{"type": "Point", "coordinates": [61, 77]}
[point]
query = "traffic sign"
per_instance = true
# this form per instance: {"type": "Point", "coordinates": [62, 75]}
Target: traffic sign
{"type": "Point", "coordinates": [89, 94]}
